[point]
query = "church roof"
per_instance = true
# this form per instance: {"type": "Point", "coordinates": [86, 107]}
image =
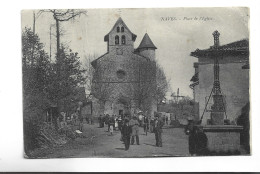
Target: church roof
{"type": "Point", "coordinates": [94, 62]}
{"type": "Point", "coordinates": [120, 20]}
{"type": "Point", "coordinates": [240, 47]}
{"type": "Point", "coordinates": [146, 42]}
{"type": "Point", "coordinates": [195, 77]}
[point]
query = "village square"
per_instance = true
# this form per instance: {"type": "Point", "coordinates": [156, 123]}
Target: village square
{"type": "Point", "coordinates": [142, 95]}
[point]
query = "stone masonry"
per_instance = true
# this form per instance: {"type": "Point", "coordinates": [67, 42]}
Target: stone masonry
{"type": "Point", "coordinates": [125, 78]}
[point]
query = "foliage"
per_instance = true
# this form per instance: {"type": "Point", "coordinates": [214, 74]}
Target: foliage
{"type": "Point", "coordinates": [35, 64]}
{"type": "Point", "coordinates": [155, 84]}
{"type": "Point", "coordinates": [46, 84]}
{"type": "Point", "coordinates": [35, 74]}
{"type": "Point", "coordinates": [186, 100]}
{"type": "Point", "coordinates": [89, 71]}
{"type": "Point", "coordinates": [162, 84]}
{"type": "Point", "coordinates": [67, 76]}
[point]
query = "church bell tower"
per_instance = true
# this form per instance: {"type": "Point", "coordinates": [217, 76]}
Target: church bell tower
{"type": "Point", "coordinates": [147, 48]}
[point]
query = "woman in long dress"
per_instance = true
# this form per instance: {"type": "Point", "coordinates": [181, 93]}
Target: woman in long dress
{"type": "Point", "coordinates": [116, 123]}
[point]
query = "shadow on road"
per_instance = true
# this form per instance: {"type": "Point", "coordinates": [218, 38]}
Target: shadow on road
{"type": "Point", "coordinates": [120, 148]}
{"type": "Point", "coordinates": [150, 144]}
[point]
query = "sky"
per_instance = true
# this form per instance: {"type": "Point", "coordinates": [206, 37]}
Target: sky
{"type": "Point", "coordinates": [176, 32]}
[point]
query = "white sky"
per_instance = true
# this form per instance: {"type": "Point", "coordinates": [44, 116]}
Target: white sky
{"type": "Point", "coordinates": [174, 39]}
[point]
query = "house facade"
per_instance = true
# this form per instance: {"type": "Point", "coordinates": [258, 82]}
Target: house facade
{"type": "Point", "coordinates": [233, 73]}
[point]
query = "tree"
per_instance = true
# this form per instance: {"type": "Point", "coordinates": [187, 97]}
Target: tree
{"type": "Point", "coordinates": [35, 83]}
{"type": "Point", "coordinates": [63, 16]}
{"type": "Point", "coordinates": [162, 84]}
{"type": "Point", "coordinates": [186, 100]}
{"type": "Point", "coordinates": [35, 76]}
{"type": "Point", "coordinates": [145, 90]}
{"type": "Point", "coordinates": [67, 76]}
{"type": "Point", "coordinates": [153, 84]}
{"type": "Point", "coordinates": [67, 72]}
{"type": "Point", "coordinates": [89, 70]}
{"type": "Point", "coordinates": [46, 83]}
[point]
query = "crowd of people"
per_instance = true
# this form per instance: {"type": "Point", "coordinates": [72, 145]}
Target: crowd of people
{"type": "Point", "coordinates": [74, 120]}
{"type": "Point", "coordinates": [129, 127]}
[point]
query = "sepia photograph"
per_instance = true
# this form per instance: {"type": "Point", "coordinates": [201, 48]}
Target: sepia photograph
{"type": "Point", "coordinates": [136, 82]}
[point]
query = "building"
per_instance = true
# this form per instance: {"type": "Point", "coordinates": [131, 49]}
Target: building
{"type": "Point", "coordinates": [233, 78]}
{"type": "Point", "coordinates": [124, 80]}
{"type": "Point", "coordinates": [221, 87]}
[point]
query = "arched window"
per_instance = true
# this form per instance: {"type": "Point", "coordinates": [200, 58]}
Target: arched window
{"type": "Point", "coordinates": [122, 29]}
{"type": "Point", "coordinates": [123, 40]}
{"type": "Point", "coordinates": [117, 40]}
{"type": "Point", "coordinates": [118, 29]}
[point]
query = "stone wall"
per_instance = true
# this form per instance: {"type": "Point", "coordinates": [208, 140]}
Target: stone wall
{"type": "Point", "coordinates": [129, 45]}
{"type": "Point", "coordinates": [123, 79]}
{"type": "Point", "coordinates": [223, 138]}
{"type": "Point", "coordinates": [120, 77]}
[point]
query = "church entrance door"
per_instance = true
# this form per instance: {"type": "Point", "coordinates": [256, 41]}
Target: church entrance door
{"type": "Point", "coordinates": [121, 112]}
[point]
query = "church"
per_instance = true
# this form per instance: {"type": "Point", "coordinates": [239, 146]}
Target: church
{"type": "Point", "coordinates": [124, 80]}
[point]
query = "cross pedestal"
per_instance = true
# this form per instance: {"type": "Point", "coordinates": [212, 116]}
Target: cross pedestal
{"type": "Point", "coordinates": [217, 118]}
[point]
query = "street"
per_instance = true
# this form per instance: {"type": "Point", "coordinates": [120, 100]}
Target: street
{"type": "Point", "coordinates": [97, 142]}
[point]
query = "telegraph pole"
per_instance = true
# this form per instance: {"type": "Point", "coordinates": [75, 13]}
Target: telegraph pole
{"type": "Point", "coordinates": [50, 43]}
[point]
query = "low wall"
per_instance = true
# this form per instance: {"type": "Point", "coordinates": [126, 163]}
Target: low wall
{"type": "Point", "coordinates": [223, 138]}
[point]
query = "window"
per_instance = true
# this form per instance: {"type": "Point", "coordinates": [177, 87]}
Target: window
{"type": "Point", "coordinates": [118, 29]}
{"type": "Point", "coordinates": [123, 40]}
{"type": "Point", "coordinates": [117, 40]}
{"type": "Point", "coordinates": [122, 29]}
{"type": "Point", "coordinates": [120, 74]}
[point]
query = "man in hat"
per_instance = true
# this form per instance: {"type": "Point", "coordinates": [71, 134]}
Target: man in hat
{"type": "Point", "coordinates": [140, 118]}
{"type": "Point", "coordinates": [146, 124]}
{"type": "Point", "coordinates": [158, 124]}
{"type": "Point", "coordinates": [190, 131]}
{"type": "Point", "coordinates": [126, 133]}
{"type": "Point", "coordinates": [135, 130]}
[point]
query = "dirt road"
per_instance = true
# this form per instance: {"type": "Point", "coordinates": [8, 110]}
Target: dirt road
{"type": "Point", "coordinates": [97, 142]}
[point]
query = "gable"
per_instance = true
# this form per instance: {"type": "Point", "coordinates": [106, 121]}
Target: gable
{"type": "Point", "coordinates": [119, 22]}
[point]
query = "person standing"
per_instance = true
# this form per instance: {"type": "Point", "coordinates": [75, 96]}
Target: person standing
{"type": "Point", "coordinates": [74, 118]}
{"type": "Point", "coordinates": [116, 122]}
{"type": "Point", "coordinates": [190, 131]}
{"type": "Point", "coordinates": [103, 120]}
{"type": "Point", "coordinates": [111, 124]}
{"type": "Point", "coordinates": [140, 119]}
{"type": "Point", "coordinates": [120, 125]}
{"type": "Point", "coordinates": [100, 120]}
{"type": "Point", "coordinates": [119, 121]}
{"type": "Point", "coordinates": [107, 121]}
{"type": "Point", "coordinates": [158, 124]}
{"type": "Point", "coordinates": [135, 130]}
{"type": "Point", "coordinates": [126, 133]}
{"type": "Point", "coordinates": [81, 124]}
{"type": "Point", "coordinates": [146, 122]}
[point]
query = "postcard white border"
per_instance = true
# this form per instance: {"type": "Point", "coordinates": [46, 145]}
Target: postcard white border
{"type": "Point", "coordinates": [11, 131]}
